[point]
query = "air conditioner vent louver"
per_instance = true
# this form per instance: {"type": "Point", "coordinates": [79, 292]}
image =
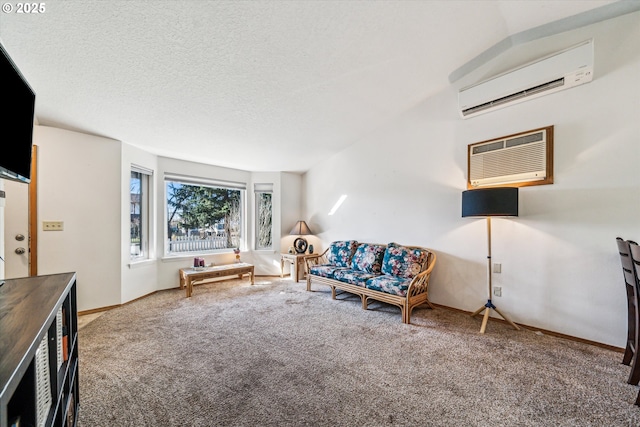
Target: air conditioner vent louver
{"type": "Point", "coordinates": [479, 149]}
{"type": "Point", "coordinates": [562, 70]}
{"type": "Point", "coordinates": [534, 137]}
{"type": "Point", "coordinates": [514, 97]}
{"type": "Point", "coordinates": [527, 159]}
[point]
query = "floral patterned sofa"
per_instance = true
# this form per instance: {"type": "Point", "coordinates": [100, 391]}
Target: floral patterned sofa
{"type": "Point", "coordinates": [394, 274]}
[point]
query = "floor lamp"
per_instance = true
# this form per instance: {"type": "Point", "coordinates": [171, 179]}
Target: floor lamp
{"type": "Point", "coordinates": [488, 202]}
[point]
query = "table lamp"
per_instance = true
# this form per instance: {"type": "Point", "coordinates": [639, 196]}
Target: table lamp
{"type": "Point", "coordinates": [489, 202]}
{"type": "Point", "coordinates": [300, 229]}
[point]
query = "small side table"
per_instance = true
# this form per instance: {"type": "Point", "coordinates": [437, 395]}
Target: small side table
{"type": "Point", "coordinates": [296, 260]}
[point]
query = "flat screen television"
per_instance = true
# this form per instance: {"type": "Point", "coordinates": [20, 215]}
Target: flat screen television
{"type": "Point", "coordinates": [16, 121]}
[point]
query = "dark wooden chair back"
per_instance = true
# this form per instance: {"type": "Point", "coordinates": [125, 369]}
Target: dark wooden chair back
{"type": "Point", "coordinates": [633, 316]}
{"type": "Point", "coordinates": [634, 250]}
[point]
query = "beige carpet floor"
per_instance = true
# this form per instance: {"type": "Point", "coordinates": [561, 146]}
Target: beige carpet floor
{"type": "Point", "coordinates": [274, 354]}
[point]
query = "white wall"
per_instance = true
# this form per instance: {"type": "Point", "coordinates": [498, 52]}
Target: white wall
{"type": "Point", "coordinates": [267, 262]}
{"type": "Point", "coordinates": [139, 278]}
{"type": "Point", "coordinates": [291, 208]}
{"type": "Point", "coordinates": [84, 181]}
{"type": "Point", "coordinates": [561, 271]}
{"type": "Point", "coordinates": [78, 184]}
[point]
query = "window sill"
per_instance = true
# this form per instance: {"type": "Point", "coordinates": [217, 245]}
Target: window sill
{"type": "Point", "coordinates": [141, 263]}
{"type": "Point", "coordinates": [182, 257]}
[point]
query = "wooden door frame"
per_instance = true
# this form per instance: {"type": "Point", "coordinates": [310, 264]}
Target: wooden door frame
{"type": "Point", "coordinates": [33, 214]}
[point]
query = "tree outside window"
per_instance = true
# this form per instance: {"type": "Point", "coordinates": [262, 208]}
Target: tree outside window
{"type": "Point", "coordinates": [203, 217]}
{"type": "Point", "coordinates": [264, 216]}
{"type": "Point", "coordinates": [139, 213]}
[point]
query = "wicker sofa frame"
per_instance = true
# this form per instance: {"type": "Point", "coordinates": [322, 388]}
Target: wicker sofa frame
{"type": "Point", "coordinates": [417, 292]}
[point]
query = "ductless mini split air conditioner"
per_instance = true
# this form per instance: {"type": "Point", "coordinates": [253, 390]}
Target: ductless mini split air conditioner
{"type": "Point", "coordinates": [559, 71]}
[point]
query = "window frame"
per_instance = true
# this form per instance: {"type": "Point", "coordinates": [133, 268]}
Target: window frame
{"type": "Point", "coordinates": [146, 176]}
{"type": "Point", "coordinates": [204, 182]}
{"type": "Point", "coordinates": [258, 190]}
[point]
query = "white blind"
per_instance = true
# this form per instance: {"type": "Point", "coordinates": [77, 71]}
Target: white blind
{"type": "Point", "coordinates": [140, 169]}
{"type": "Point", "coordinates": [194, 180]}
{"type": "Point", "coordinates": [263, 188]}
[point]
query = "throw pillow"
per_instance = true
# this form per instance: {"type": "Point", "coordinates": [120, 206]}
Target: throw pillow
{"type": "Point", "coordinates": [403, 261]}
{"type": "Point", "coordinates": [368, 258]}
{"type": "Point", "coordinates": [340, 252]}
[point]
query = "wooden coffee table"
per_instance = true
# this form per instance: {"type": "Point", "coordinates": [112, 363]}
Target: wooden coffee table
{"type": "Point", "coordinates": [191, 276]}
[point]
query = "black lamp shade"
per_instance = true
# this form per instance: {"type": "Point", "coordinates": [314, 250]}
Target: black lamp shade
{"type": "Point", "coordinates": [497, 201]}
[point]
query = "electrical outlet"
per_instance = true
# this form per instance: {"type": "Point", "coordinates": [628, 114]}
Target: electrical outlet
{"type": "Point", "coordinates": [497, 267]}
{"type": "Point", "coordinates": [52, 225]}
{"type": "Point", "coordinates": [497, 291]}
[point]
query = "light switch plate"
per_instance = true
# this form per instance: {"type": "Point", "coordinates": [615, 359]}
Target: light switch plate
{"type": "Point", "coordinates": [52, 225]}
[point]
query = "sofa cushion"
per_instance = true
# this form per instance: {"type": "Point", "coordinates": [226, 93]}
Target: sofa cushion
{"type": "Point", "coordinates": [355, 277]}
{"type": "Point", "coordinates": [325, 270]}
{"type": "Point", "coordinates": [403, 261]}
{"type": "Point", "coordinates": [341, 252]}
{"type": "Point", "coordinates": [368, 258]}
{"type": "Point", "coordinates": [390, 284]}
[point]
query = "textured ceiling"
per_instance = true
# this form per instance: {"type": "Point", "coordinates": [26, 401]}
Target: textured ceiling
{"type": "Point", "coordinates": [254, 85]}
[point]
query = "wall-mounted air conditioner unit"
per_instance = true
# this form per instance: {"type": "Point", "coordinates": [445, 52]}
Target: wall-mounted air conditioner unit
{"type": "Point", "coordinates": [515, 160]}
{"type": "Point", "coordinates": [562, 70]}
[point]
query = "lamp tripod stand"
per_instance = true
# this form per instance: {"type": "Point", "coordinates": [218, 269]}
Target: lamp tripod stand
{"type": "Point", "coordinates": [489, 305]}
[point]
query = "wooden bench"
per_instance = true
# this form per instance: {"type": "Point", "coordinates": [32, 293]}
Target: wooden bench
{"type": "Point", "coordinates": [191, 276]}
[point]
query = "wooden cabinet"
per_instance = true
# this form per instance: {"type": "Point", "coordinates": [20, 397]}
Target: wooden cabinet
{"type": "Point", "coordinates": [39, 351]}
